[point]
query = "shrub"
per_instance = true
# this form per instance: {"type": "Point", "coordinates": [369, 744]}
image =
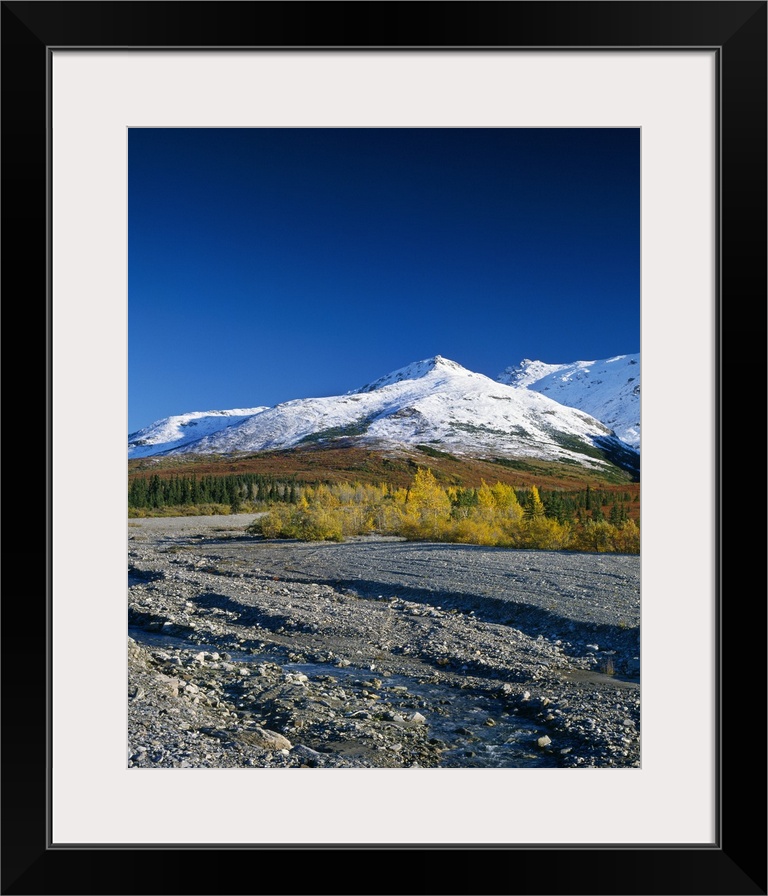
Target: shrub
{"type": "Point", "coordinates": [489, 515]}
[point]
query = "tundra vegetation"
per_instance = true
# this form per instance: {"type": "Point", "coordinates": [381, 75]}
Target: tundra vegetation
{"type": "Point", "coordinates": [497, 514]}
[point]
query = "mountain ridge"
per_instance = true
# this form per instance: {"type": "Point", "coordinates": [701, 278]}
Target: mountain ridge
{"type": "Point", "coordinates": [434, 401]}
{"type": "Point", "coordinates": [607, 389]}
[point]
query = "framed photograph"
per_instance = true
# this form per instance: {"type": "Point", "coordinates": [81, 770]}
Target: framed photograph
{"type": "Point", "coordinates": [88, 89]}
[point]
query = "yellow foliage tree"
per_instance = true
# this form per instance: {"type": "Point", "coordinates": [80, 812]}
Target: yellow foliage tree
{"type": "Point", "coordinates": [506, 500]}
{"type": "Point", "coordinates": [428, 511]}
{"type": "Point", "coordinates": [546, 534]}
{"type": "Point", "coordinates": [428, 506]}
{"type": "Point", "coordinates": [535, 506]}
{"type": "Point", "coordinates": [627, 538]}
{"type": "Point", "coordinates": [485, 497]}
{"type": "Point", "coordinates": [596, 536]}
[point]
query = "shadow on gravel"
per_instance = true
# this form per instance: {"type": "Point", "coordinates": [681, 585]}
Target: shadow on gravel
{"type": "Point", "coordinates": [136, 576]}
{"type": "Point", "coordinates": [529, 619]}
{"type": "Point", "coordinates": [243, 614]}
{"type": "Point", "coordinates": [248, 616]}
{"type": "Point", "coordinates": [205, 540]}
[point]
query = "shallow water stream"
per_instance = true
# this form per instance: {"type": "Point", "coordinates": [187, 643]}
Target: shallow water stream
{"type": "Point", "coordinates": [477, 729]}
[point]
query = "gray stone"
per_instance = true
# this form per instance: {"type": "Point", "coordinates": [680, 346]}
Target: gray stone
{"type": "Point", "coordinates": [269, 740]}
{"type": "Point", "coordinates": [305, 752]}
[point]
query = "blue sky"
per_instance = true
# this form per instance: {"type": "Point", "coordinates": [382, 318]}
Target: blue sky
{"type": "Point", "coordinates": [271, 264]}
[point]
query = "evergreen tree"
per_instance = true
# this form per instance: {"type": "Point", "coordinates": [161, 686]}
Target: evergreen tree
{"type": "Point", "coordinates": [137, 492]}
{"type": "Point", "coordinates": [534, 506]}
{"type": "Point", "coordinates": [174, 491]}
{"type": "Point", "coordinates": [155, 497]}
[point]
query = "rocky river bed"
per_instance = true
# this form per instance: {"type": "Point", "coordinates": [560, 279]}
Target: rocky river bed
{"type": "Point", "coordinates": [376, 653]}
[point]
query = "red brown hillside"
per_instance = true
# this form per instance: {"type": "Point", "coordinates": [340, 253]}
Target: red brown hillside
{"type": "Point", "coordinates": [313, 464]}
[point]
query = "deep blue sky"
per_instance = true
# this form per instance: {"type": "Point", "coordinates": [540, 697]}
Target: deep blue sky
{"type": "Point", "coordinates": [271, 264]}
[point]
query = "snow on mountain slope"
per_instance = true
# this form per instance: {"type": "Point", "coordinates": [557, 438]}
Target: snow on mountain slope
{"type": "Point", "coordinates": [435, 401]}
{"type": "Point", "coordinates": [608, 390]}
{"type": "Point", "coordinates": [174, 432]}
{"type": "Point", "coordinates": [419, 369]}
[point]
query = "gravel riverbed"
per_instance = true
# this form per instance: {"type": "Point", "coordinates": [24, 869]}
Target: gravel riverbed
{"type": "Point", "coordinates": [376, 653]}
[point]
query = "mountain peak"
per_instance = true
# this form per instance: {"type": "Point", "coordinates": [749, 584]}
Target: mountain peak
{"type": "Point", "coordinates": [415, 371]}
{"type": "Point", "coordinates": [527, 372]}
{"type": "Point", "coordinates": [436, 402]}
{"type": "Point", "coordinates": [608, 389]}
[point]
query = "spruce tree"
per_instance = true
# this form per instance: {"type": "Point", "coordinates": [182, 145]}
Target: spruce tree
{"type": "Point", "coordinates": [534, 506]}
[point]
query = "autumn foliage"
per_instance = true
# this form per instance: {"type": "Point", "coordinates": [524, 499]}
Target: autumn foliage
{"type": "Point", "coordinates": [493, 515]}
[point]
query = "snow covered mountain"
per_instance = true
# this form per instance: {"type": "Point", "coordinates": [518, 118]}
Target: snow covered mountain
{"type": "Point", "coordinates": [434, 402]}
{"type": "Point", "coordinates": [608, 390]}
{"type": "Point", "coordinates": [183, 429]}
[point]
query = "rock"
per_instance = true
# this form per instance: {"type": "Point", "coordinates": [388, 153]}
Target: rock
{"type": "Point", "coordinates": [454, 668]}
{"type": "Point", "coordinates": [269, 740]}
{"type": "Point", "coordinates": [171, 684]}
{"type": "Point", "coordinates": [544, 741]}
{"type": "Point", "coordinates": [305, 753]}
{"type": "Point", "coordinates": [296, 678]}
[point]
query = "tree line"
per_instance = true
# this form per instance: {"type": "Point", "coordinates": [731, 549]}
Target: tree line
{"type": "Point", "coordinates": [234, 491]}
{"type": "Point", "coordinates": [499, 514]}
{"type": "Point", "coordinates": [495, 515]}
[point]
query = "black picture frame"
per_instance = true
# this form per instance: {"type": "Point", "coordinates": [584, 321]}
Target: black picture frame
{"type": "Point", "coordinates": [736, 862]}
